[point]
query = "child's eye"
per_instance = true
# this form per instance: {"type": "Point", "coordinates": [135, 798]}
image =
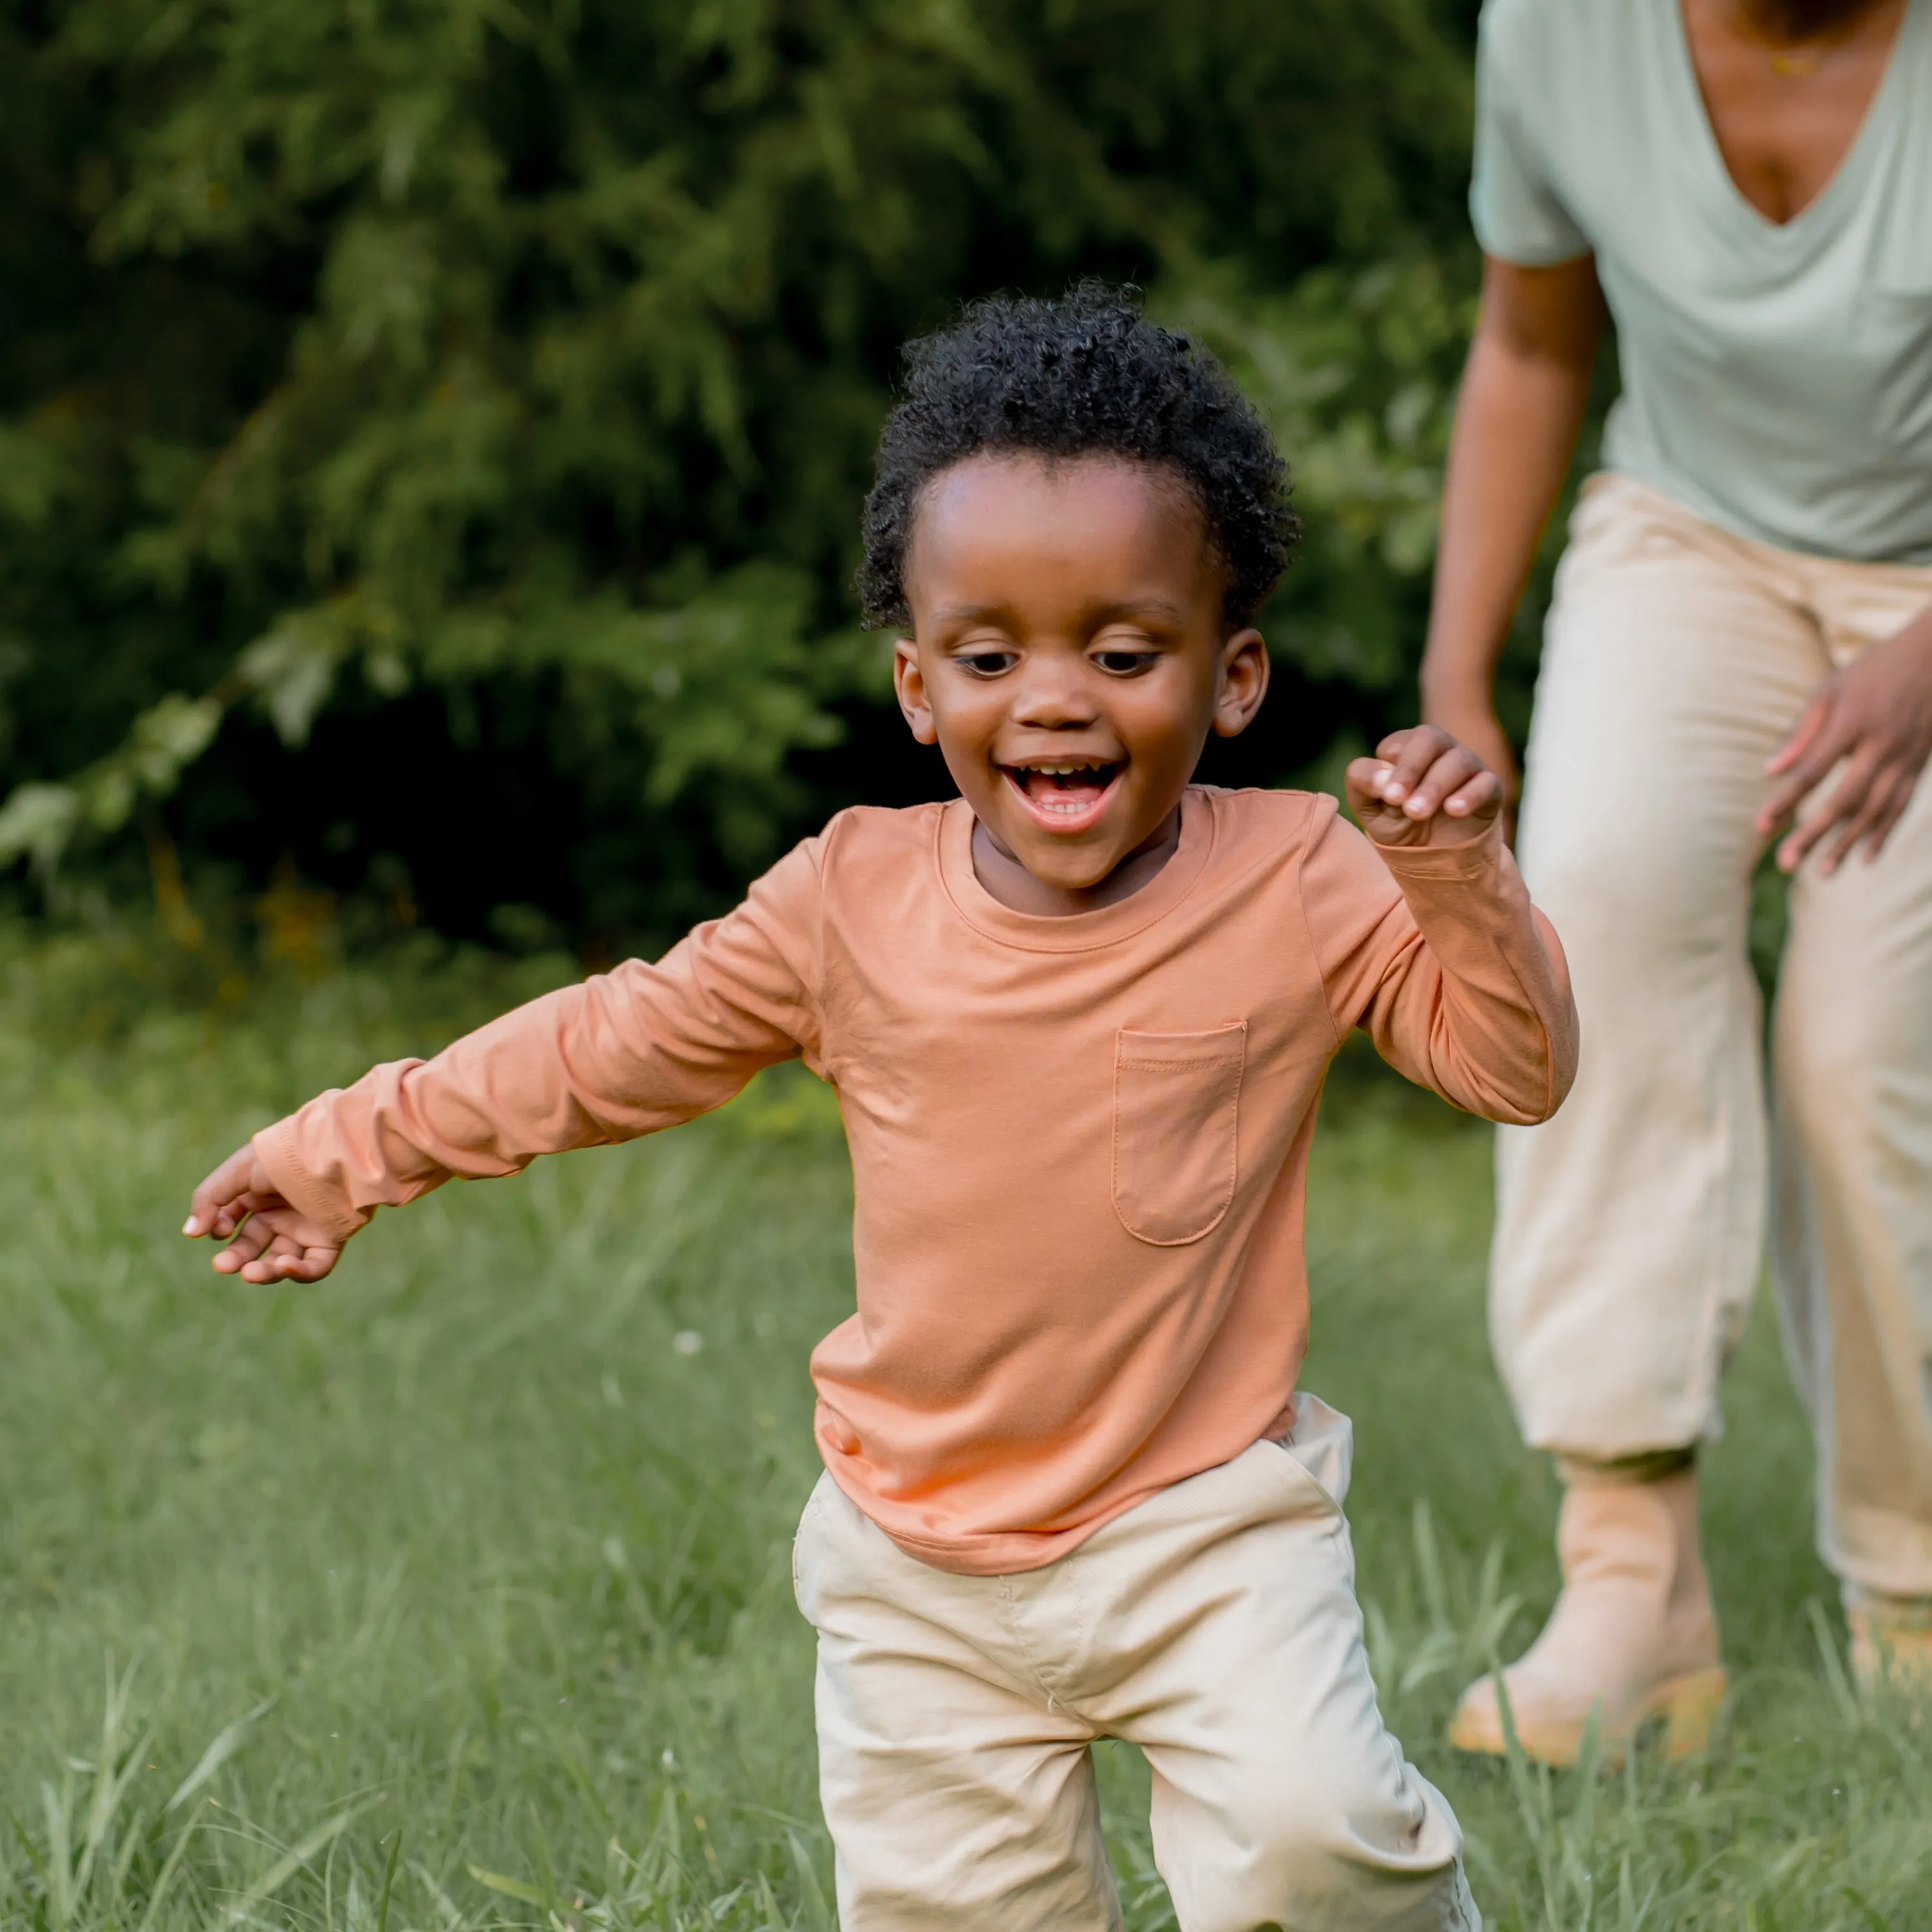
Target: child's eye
{"type": "Point", "coordinates": [1124, 663]}
{"type": "Point", "coordinates": [986, 663]}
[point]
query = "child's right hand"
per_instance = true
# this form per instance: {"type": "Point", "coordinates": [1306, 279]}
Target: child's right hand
{"type": "Point", "coordinates": [268, 1238]}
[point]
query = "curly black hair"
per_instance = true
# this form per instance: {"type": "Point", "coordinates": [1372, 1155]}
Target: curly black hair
{"type": "Point", "coordinates": [1087, 374]}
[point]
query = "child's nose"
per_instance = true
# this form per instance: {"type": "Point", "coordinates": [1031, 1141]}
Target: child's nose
{"type": "Point", "coordinates": [1053, 696]}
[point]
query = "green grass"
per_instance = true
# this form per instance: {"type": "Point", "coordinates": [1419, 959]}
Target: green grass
{"type": "Point", "coordinates": [468, 1572]}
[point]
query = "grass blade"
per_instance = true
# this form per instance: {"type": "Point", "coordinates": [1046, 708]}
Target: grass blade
{"type": "Point", "coordinates": [1836, 1678]}
{"type": "Point", "coordinates": [164, 1881]}
{"type": "Point", "coordinates": [227, 1742]}
{"type": "Point", "coordinates": [388, 1881]}
{"type": "Point", "coordinates": [510, 1888]}
{"type": "Point", "coordinates": [285, 1867]}
{"type": "Point", "coordinates": [56, 1808]}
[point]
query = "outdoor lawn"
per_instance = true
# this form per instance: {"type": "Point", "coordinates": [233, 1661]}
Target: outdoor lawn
{"type": "Point", "coordinates": [455, 1591]}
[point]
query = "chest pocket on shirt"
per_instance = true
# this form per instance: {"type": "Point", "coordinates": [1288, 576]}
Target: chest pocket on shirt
{"type": "Point", "coordinates": [1177, 1100]}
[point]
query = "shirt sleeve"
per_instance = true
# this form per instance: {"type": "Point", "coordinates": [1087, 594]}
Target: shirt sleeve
{"type": "Point", "coordinates": [626, 1053]}
{"type": "Point", "coordinates": [1439, 956]}
{"type": "Point", "coordinates": [1518, 214]}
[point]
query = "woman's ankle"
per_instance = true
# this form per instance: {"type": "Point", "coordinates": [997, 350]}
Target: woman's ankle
{"type": "Point", "coordinates": [1647, 1466]}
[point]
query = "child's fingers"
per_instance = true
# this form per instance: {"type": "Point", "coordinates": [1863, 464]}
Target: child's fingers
{"type": "Point", "coordinates": [1448, 776]}
{"type": "Point", "coordinates": [217, 1216]}
{"type": "Point", "coordinates": [223, 1220]}
{"type": "Point", "coordinates": [1366, 781]}
{"type": "Point", "coordinates": [1482, 797]}
{"type": "Point", "coordinates": [262, 1252]}
{"type": "Point", "coordinates": [245, 1243]}
{"type": "Point", "coordinates": [291, 1263]}
{"type": "Point", "coordinates": [1421, 771]}
{"type": "Point", "coordinates": [1409, 755]}
{"type": "Point", "coordinates": [1365, 775]}
{"type": "Point", "coordinates": [216, 1208]}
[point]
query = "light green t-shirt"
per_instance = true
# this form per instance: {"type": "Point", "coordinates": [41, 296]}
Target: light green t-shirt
{"type": "Point", "coordinates": [1777, 380]}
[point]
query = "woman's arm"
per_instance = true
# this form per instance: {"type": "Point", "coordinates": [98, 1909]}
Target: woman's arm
{"type": "Point", "coordinates": [1524, 391]}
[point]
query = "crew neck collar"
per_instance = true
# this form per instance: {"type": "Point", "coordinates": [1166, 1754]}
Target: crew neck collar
{"type": "Point", "coordinates": [1077, 932]}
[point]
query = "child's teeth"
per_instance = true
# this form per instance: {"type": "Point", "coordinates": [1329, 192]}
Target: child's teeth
{"type": "Point", "coordinates": [1066, 790]}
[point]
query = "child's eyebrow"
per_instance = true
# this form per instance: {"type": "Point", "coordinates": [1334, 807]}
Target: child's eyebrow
{"type": "Point", "coordinates": [1157, 610]}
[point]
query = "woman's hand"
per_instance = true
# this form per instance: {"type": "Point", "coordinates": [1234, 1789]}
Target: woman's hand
{"type": "Point", "coordinates": [268, 1238]}
{"type": "Point", "coordinates": [1875, 715]}
{"type": "Point", "coordinates": [1473, 721]}
{"type": "Point", "coordinates": [1470, 719]}
{"type": "Point", "coordinates": [1423, 788]}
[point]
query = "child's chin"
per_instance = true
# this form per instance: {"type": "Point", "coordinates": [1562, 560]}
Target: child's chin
{"type": "Point", "coordinates": [1069, 871]}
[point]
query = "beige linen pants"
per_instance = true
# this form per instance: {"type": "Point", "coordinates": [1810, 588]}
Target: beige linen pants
{"type": "Point", "coordinates": [1630, 1227]}
{"type": "Point", "coordinates": [1215, 1625]}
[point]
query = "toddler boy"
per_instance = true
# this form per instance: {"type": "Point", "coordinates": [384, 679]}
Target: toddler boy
{"type": "Point", "coordinates": [1078, 1020]}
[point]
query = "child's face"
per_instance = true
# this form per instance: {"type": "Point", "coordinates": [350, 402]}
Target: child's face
{"type": "Point", "coordinates": [1067, 654]}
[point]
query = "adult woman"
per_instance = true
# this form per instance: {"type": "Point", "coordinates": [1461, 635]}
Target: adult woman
{"type": "Point", "coordinates": [1743, 624]}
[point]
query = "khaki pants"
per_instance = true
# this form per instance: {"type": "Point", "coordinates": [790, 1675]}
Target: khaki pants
{"type": "Point", "coordinates": [1629, 1228]}
{"type": "Point", "coordinates": [1216, 1626]}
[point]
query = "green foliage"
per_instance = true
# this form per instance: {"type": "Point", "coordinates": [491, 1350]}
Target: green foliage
{"type": "Point", "coordinates": [498, 1519]}
{"type": "Point", "coordinates": [480, 394]}
{"type": "Point", "coordinates": [1356, 371]}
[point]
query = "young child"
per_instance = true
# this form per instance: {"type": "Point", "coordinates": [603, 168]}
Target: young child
{"type": "Point", "coordinates": [1078, 1020]}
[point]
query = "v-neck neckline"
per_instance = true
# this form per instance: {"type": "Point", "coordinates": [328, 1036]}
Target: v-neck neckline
{"type": "Point", "coordinates": [1853, 162]}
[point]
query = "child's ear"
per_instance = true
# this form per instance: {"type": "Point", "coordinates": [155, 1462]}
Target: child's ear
{"type": "Point", "coordinates": [1243, 683]}
{"type": "Point", "coordinates": [909, 687]}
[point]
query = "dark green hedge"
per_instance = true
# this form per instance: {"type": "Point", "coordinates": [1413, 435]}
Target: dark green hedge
{"type": "Point", "coordinates": [431, 431]}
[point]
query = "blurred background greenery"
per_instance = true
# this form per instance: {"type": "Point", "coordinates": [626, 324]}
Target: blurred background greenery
{"type": "Point", "coordinates": [432, 432]}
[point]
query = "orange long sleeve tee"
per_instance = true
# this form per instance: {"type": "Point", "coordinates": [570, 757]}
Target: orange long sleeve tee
{"type": "Point", "coordinates": [1079, 1145]}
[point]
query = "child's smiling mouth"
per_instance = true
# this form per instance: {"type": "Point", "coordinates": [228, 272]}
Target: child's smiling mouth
{"type": "Point", "coordinates": [1064, 794]}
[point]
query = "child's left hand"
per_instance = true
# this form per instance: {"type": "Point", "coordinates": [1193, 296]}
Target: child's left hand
{"type": "Point", "coordinates": [1424, 788]}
